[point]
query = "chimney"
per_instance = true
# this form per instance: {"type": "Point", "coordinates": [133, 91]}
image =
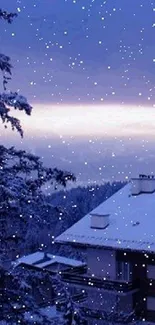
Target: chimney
{"type": "Point", "coordinates": [99, 221]}
{"type": "Point", "coordinates": [143, 184]}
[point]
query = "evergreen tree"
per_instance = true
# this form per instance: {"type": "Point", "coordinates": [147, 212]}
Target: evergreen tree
{"type": "Point", "coordinates": [72, 314]}
{"type": "Point", "coordinates": [22, 176]}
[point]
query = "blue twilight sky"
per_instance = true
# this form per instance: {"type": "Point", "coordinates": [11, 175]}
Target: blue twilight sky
{"type": "Point", "coordinates": [82, 50]}
{"type": "Point", "coordinates": [77, 55]}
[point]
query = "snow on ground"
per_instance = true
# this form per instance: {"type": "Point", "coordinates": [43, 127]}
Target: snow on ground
{"type": "Point", "coordinates": [50, 312]}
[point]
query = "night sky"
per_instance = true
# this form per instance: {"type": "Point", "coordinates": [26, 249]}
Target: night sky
{"type": "Point", "coordinates": [88, 68]}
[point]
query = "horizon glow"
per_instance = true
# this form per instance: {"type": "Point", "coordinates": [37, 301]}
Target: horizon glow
{"type": "Point", "coordinates": [86, 120]}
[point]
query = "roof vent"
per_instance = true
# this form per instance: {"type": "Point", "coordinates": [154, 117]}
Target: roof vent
{"type": "Point", "coordinates": [143, 184]}
{"type": "Point", "coordinates": [99, 221]}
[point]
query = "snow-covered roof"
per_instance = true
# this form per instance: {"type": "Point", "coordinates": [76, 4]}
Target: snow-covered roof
{"type": "Point", "coordinates": [41, 260]}
{"type": "Point", "coordinates": [60, 260]}
{"type": "Point", "coordinates": [131, 223]}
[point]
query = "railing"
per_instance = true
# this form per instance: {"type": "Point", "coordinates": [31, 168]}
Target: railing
{"type": "Point", "coordinates": [83, 279]}
{"type": "Point", "coordinates": [112, 317]}
{"type": "Point", "coordinates": [77, 269]}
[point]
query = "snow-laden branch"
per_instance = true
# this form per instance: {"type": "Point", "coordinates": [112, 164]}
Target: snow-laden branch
{"type": "Point", "coordinates": [16, 101]}
{"type": "Point", "coordinates": [5, 63]}
{"type": "Point", "coordinates": [12, 99]}
{"type": "Point", "coordinates": [7, 16]}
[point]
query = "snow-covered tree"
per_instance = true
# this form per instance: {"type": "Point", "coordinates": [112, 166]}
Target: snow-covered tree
{"type": "Point", "coordinates": [22, 176]}
{"type": "Point", "coordinates": [72, 314]}
{"type": "Point", "coordinates": [48, 288]}
{"type": "Point", "coordinates": [22, 201]}
{"type": "Point", "coordinates": [10, 100]}
{"type": "Point", "coordinates": [17, 306]}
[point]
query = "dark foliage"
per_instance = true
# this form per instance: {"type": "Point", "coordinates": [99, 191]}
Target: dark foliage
{"type": "Point", "coordinates": [8, 16]}
{"type": "Point", "coordinates": [22, 176]}
{"type": "Point", "coordinates": [17, 305]}
{"type": "Point", "coordinates": [9, 100]}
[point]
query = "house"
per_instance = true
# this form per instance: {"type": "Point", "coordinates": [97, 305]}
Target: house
{"type": "Point", "coordinates": [48, 262]}
{"type": "Point", "coordinates": [45, 263]}
{"type": "Point", "coordinates": [119, 237]}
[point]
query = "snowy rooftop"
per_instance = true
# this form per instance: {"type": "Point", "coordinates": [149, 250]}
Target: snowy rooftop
{"type": "Point", "coordinates": [41, 260]}
{"type": "Point", "coordinates": [131, 223]}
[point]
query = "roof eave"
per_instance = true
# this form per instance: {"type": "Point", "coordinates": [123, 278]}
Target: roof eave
{"type": "Point", "coordinates": [86, 245]}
